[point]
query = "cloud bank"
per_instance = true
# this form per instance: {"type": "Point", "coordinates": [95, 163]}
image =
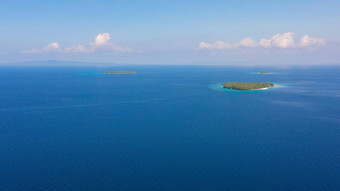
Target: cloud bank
{"type": "Point", "coordinates": [285, 40]}
{"type": "Point", "coordinates": [101, 43]}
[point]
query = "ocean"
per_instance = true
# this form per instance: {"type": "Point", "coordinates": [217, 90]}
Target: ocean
{"type": "Point", "coordinates": [168, 128]}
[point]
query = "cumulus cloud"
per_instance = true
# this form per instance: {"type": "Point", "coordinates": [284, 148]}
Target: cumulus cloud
{"type": "Point", "coordinates": [53, 47]}
{"type": "Point", "coordinates": [102, 40]}
{"type": "Point", "coordinates": [310, 41]}
{"type": "Point", "coordinates": [101, 43]}
{"type": "Point", "coordinates": [265, 42]}
{"type": "Point", "coordinates": [247, 42]}
{"type": "Point", "coordinates": [285, 40]}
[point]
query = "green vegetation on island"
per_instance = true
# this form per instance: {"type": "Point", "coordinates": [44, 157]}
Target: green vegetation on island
{"type": "Point", "coordinates": [247, 85]}
{"type": "Point", "coordinates": [119, 72]}
{"type": "Point", "coordinates": [264, 73]}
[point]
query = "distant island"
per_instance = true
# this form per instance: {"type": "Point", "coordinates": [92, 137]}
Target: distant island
{"type": "Point", "coordinates": [264, 73]}
{"type": "Point", "coordinates": [119, 72]}
{"type": "Point", "coordinates": [247, 85]}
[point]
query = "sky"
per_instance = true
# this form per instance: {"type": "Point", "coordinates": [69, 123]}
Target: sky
{"type": "Point", "coordinates": [171, 32]}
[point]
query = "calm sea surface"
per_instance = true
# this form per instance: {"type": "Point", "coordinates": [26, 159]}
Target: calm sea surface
{"type": "Point", "coordinates": [165, 128]}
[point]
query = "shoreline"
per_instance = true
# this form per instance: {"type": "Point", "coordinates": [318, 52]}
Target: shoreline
{"type": "Point", "coordinates": [246, 90]}
{"type": "Point", "coordinates": [219, 87]}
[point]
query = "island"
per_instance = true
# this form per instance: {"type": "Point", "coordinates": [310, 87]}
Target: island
{"type": "Point", "coordinates": [119, 72]}
{"type": "Point", "coordinates": [264, 73]}
{"type": "Point", "coordinates": [247, 85]}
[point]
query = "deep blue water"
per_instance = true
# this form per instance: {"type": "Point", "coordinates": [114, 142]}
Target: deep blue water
{"type": "Point", "coordinates": [70, 128]}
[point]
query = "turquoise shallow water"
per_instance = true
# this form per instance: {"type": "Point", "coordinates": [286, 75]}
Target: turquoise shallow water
{"type": "Point", "coordinates": [166, 128]}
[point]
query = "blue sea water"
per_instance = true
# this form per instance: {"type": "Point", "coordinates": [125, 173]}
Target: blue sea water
{"type": "Point", "coordinates": [165, 128]}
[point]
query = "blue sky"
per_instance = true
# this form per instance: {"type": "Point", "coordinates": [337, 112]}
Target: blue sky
{"type": "Point", "coordinates": [171, 32]}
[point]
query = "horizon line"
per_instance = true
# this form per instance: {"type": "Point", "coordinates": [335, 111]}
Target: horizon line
{"type": "Point", "coordinates": [196, 63]}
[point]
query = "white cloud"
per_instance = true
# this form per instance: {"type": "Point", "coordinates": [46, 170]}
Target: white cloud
{"type": "Point", "coordinates": [31, 51]}
{"type": "Point", "coordinates": [78, 48]}
{"type": "Point", "coordinates": [219, 45]}
{"type": "Point", "coordinates": [204, 45]}
{"type": "Point", "coordinates": [53, 47]}
{"type": "Point", "coordinates": [102, 40]}
{"type": "Point", "coordinates": [101, 43]}
{"type": "Point", "coordinates": [285, 40]}
{"type": "Point", "coordinates": [247, 42]}
{"type": "Point", "coordinates": [310, 41]}
{"type": "Point", "coordinates": [265, 43]}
